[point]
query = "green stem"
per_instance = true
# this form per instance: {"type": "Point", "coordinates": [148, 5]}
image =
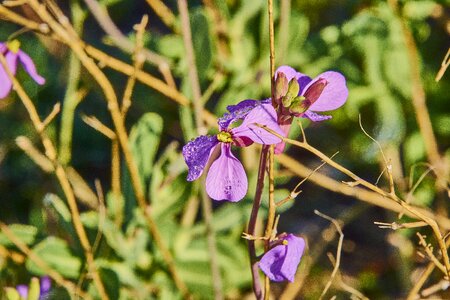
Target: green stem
{"type": "Point", "coordinates": [71, 100]}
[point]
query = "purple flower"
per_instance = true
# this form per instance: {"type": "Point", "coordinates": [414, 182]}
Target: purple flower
{"type": "Point", "coordinates": [280, 263]}
{"type": "Point", "coordinates": [328, 91]}
{"type": "Point", "coordinates": [13, 54]}
{"type": "Point", "coordinates": [226, 178]}
{"type": "Point", "coordinates": [45, 286]}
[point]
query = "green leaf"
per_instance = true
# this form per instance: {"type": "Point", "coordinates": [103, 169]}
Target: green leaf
{"type": "Point", "coordinates": [201, 42]}
{"type": "Point", "coordinates": [56, 254]}
{"type": "Point", "coordinates": [144, 141]}
{"type": "Point", "coordinates": [12, 293]}
{"type": "Point", "coordinates": [25, 233]}
{"type": "Point", "coordinates": [34, 289]}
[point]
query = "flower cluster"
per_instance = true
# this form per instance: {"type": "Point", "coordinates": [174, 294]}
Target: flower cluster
{"type": "Point", "coordinates": [12, 53]}
{"type": "Point", "coordinates": [296, 95]}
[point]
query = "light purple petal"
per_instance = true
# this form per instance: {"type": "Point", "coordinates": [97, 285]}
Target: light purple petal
{"type": "Point", "coordinates": [263, 114]}
{"type": "Point", "coordinates": [226, 178]}
{"type": "Point", "coordinates": [315, 117]}
{"type": "Point", "coordinates": [5, 82]}
{"type": "Point", "coordinates": [29, 66]}
{"type": "Point", "coordinates": [196, 154]}
{"type": "Point", "coordinates": [295, 248]}
{"type": "Point", "coordinates": [333, 95]}
{"type": "Point", "coordinates": [3, 48]}
{"type": "Point", "coordinates": [238, 112]}
{"type": "Point", "coordinates": [291, 73]}
{"type": "Point", "coordinates": [22, 289]}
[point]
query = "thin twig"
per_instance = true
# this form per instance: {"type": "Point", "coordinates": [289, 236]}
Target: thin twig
{"type": "Point", "coordinates": [164, 13]}
{"type": "Point", "coordinates": [338, 251]}
{"type": "Point", "coordinates": [444, 65]}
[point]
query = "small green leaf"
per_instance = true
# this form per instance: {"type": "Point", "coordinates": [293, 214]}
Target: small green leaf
{"type": "Point", "coordinates": [144, 141]}
{"type": "Point", "coordinates": [57, 255]}
{"type": "Point", "coordinates": [34, 289]}
{"type": "Point", "coordinates": [25, 233]}
{"type": "Point", "coordinates": [12, 294]}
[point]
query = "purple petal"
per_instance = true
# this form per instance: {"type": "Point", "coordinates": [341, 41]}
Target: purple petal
{"type": "Point", "coordinates": [3, 48]}
{"type": "Point", "coordinates": [238, 112]}
{"type": "Point", "coordinates": [295, 248]}
{"type": "Point", "coordinates": [272, 262]}
{"type": "Point", "coordinates": [315, 117]}
{"type": "Point", "coordinates": [196, 154]}
{"type": "Point", "coordinates": [22, 289]}
{"type": "Point", "coordinates": [46, 285]}
{"type": "Point", "coordinates": [280, 263]}
{"type": "Point", "coordinates": [263, 114]}
{"type": "Point", "coordinates": [291, 73]}
{"type": "Point", "coordinates": [333, 95]}
{"type": "Point", "coordinates": [5, 82]}
{"type": "Point", "coordinates": [29, 66]}
{"type": "Point", "coordinates": [226, 178]}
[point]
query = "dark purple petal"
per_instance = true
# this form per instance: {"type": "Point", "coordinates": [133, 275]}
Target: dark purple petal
{"type": "Point", "coordinates": [29, 66]}
{"type": "Point", "coordinates": [263, 114]}
{"type": "Point", "coordinates": [196, 154]}
{"type": "Point", "coordinates": [315, 117]}
{"type": "Point", "coordinates": [46, 285]}
{"type": "Point", "coordinates": [291, 73]}
{"type": "Point", "coordinates": [272, 262]}
{"type": "Point", "coordinates": [280, 263]}
{"type": "Point", "coordinates": [226, 179]}
{"type": "Point", "coordinates": [333, 95]}
{"type": "Point", "coordinates": [22, 289]}
{"type": "Point", "coordinates": [237, 112]}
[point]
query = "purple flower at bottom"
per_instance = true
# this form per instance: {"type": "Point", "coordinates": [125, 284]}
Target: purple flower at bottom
{"type": "Point", "coordinates": [280, 263]}
{"type": "Point", "coordinates": [226, 178]}
{"type": "Point", "coordinates": [45, 286]}
{"type": "Point", "coordinates": [13, 55]}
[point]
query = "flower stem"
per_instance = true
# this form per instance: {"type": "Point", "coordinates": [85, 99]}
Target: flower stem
{"type": "Point", "coordinates": [252, 222]}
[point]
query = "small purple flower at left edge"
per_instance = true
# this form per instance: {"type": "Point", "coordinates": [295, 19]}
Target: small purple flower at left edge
{"type": "Point", "coordinates": [280, 263]}
{"type": "Point", "coordinates": [12, 53]}
{"type": "Point", "coordinates": [226, 178]}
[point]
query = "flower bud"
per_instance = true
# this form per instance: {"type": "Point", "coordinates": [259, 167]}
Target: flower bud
{"type": "Point", "coordinates": [281, 85]}
{"type": "Point", "coordinates": [315, 90]}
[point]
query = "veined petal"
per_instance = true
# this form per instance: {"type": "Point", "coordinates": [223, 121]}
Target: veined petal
{"type": "Point", "coordinates": [263, 114]}
{"type": "Point", "coordinates": [226, 179]}
{"type": "Point", "coordinates": [295, 248]}
{"type": "Point", "coordinates": [196, 154]}
{"type": "Point", "coordinates": [291, 73]}
{"type": "Point", "coordinates": [333, 95]}
{"type": "Point", "coordinates": [29, 66]}
{"type": "Point", "coordinates": [315, 117]}
{"type": "Point", "coordinates": [238, 112]}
